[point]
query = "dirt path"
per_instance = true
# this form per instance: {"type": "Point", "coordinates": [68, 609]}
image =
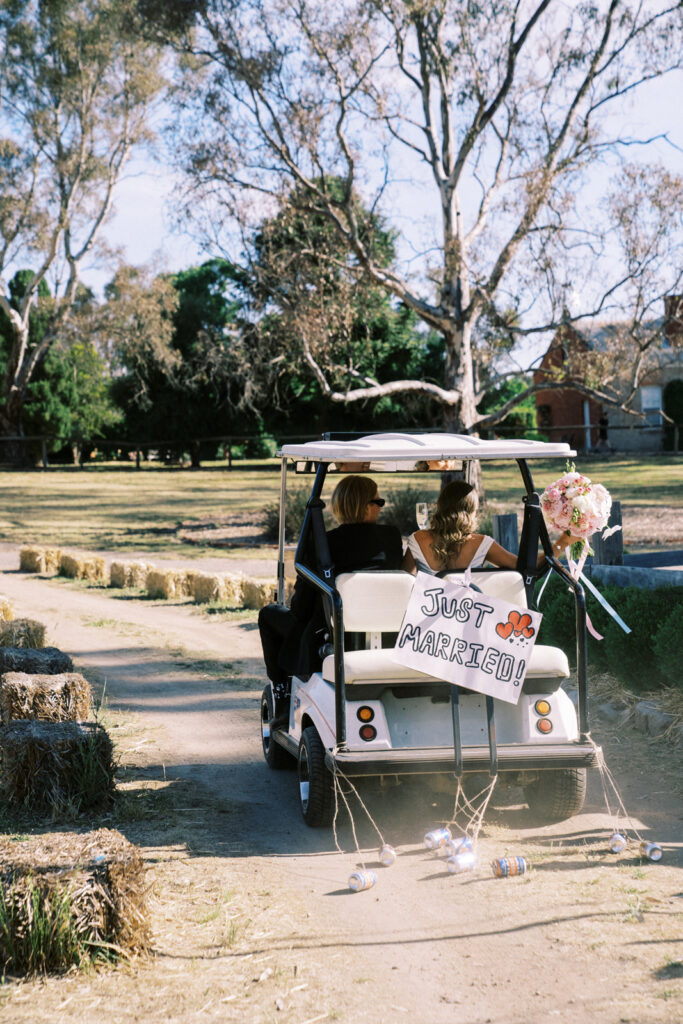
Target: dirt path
{"type": "Point", "coordinates": [250, 912]}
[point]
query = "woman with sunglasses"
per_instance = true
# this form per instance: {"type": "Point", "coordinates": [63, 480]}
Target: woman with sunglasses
{"type": "Point", "coordinates": [291, 637]}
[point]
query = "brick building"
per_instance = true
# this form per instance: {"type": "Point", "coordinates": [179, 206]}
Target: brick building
{"type": "Point", "coordinates": [567, 415]}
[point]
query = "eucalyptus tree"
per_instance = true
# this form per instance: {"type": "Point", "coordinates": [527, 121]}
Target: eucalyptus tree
{"type": "Point", "coordinates": [497, 111]}
{"type": "Point", "coordinates": [76, 87]}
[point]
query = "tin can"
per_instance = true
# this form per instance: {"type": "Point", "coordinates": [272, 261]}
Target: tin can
{"type": "Point", "coordinates": [505, 867]}
{"type": "Point", "coordinates": [387, 855]}
{"type": "Point", "coordinates": [460, 845]}
{"type": "Point", "coordinates": [617, 842]}
{"type": "Point", "coordinates": [461, 862]}
{"type": "Point", "coordinates": [652, 851]}
{"type": "Point", "coordinates": [361, 880]}
{"type": "Point", "coordinates": [437, 838]}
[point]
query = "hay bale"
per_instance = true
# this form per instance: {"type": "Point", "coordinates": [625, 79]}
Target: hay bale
{"type": "Point", "coordinates": [32, 559]}
{"type": "Point", "coordinates": [49, 661]}
{"type": "Point", "coordinates": [161, 583]}
{"type": "Point", "coordinates": [6, 609]}
{"type": "Point", "coordinates": [65, 697]}
{"type": "Point", "coordinates": [69, 899]}
{"type": "Point", "coordinates": [207, 588]}
{"type": "Point", "coordinates": [71, 566]}
{"type": "Point", "coordinates": [118, 575]}
{"type": "Point", "coordinates": [233, 590]}
{"type": "Point", "coordinates": [129, 574]}
{"type": "Point", "coordinates": [56, 766]}
{"type": "Point", "coordinates": [53, 558]}
{"type": "Point", "coordinates": [258, 593]}
{"type": "Point", "coordinates": [95, 569]}
{"type": "Point", "coordinates": [185, 582]}
{"type": "Point", "coordinates": [22, 633]}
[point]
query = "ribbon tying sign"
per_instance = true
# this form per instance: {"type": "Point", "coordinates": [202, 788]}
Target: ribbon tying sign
{"type": "Point", "coordinates": [456, 633]}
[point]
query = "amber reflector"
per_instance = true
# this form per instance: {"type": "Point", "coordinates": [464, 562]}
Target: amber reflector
{"type": "Point", "coordinates": [542, 707]}
{"type": "Point", "coordinates": [365, 714]}
{"type": "Point", "coordinates": [545, 725]}
{"type": "Point", "coordinates": [368, 732]}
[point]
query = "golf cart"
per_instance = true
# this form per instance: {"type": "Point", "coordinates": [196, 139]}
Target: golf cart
{"type": "Point", "coordinates": [363, 714]}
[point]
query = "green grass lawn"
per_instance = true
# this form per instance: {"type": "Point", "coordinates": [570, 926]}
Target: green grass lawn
{"type": "Point", "coordinates": [114, 507]}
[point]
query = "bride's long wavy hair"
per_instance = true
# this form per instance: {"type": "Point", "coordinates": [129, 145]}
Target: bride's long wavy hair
{"type": "Point", "coordinates": [453, 520]}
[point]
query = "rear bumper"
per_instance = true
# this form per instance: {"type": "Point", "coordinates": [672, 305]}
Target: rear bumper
{"type": "Point", "coordinates": [517, 757]}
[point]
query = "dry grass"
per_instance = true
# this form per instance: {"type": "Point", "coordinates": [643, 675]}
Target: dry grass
{"type": "Point", "coordinates": [70, 899]}
{"type": "Point", "coordinates": [66, 697]}
{"type": "Point", "coordinates": [6, 609]}
{"type": "Point", "coordinates": [22, 633]}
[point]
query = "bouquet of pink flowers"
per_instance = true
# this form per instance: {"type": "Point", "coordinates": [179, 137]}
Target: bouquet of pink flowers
{"type": "Point", "coordinates": [577, 507]}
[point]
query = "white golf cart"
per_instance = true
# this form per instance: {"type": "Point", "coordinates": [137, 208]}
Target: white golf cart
{"type": "Point", "coordinates": [365, 715]}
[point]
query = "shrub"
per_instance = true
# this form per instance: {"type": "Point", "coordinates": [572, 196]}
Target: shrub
{"type": "Point", "coordinates": [295, 508]}
{"type": "Point", "coordinates": [666, 645]}
{"type": "Point", "coordinates": [632, 656]}
{"type": "Point", "coordinates": [400, 508]}
{"type": "Point", "coordinates": [262, 447]}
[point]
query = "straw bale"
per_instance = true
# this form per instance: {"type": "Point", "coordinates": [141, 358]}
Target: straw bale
{"type": "Point", "coordinates": [6, 609]}
{"type": "Point", "coordinates": [258, 593]}
{"type": "Point", "coordinates": [48, 661]}
{"type": "Point", "coordinates": [71, 566]}
{"type": "Point", "coordinates": [95, 569]}
{"type": "Point", "coordinates": [118, 575]}
{"type": "Point", "coordinates": [161, 583]}
{"type": "Point", "coordinates": [138, 574]}
{"type": "Point", "coordinates": [185, 582]}
{"type": "Point", "coordinates": [53, 559]}
{"type": "Point", "coordinates": [32, 559]}
{"type": "Point", "coordinates": [207, 588]}
{"type": "Point", "coordinates": [22, 633]}
{"type": "Point", "coordinates": [56, 766]}
{"type": "Point", "coordinates": [66, 697]}
{"type": "Point", "coordinates": [233, 590]}
{"type": "Point", "coordinates": [71, 898]}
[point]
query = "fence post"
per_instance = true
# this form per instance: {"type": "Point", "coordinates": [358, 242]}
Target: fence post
{"type": "Point", "coordinates": [610, 551]}
{"type": "Point", "coordinates": [229, 455]}
{"type": "Point", "coordinates": [44, 448]}
{"type": "Point", "coordinates": [504, 530]}
{"type": "Point", "coordinates": [137, 458]}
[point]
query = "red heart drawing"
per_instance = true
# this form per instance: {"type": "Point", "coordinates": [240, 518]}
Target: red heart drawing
{"type": "Point", "coordinates": [528, 631]}
{"type": "Point", "coordinates": [514, 618]}
{"type": "Point", "coordinates": [504, 629]}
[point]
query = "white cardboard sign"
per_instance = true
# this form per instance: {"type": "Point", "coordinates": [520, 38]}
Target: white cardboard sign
{"type": "Point", "coordinates": [458, 634]}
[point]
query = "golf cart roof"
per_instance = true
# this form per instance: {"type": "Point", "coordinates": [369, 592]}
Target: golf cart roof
{"type": "Point", "coordinates": [411, 448]}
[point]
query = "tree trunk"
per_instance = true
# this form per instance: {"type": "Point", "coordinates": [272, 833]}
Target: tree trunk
{"type": "Point", "coordinates": [459, 374]}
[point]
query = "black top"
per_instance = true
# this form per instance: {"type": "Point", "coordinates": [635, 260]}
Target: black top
{"type": "Point", "coordinates": [353, 546]}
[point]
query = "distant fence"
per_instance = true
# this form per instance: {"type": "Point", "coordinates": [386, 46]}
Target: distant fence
{"type": "Point", "coordinates": [34, 449]}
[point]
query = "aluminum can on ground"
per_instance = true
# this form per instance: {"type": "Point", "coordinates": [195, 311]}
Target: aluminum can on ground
{"type": "Point", "coordinates": [437, 838]}
{"type": "Point", "coordinates": [505, 867]}
{"type": "Point", "coordinates": [387, 855]}
{"type": "Point", "coordinates": [617, 842]}
{"type": "Point", "coordinates": [652, 851]}
{"type": "Point", "coordinates": [461, 862]}
{"type": "Point", "coordinates": [361, 880]}
{"type": "Point", "coordinates": [460, 845]}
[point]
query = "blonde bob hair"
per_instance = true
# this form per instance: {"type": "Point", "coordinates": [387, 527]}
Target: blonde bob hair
{"type": "Point", "coordinates": [453, 520]}
{"type": "Point", "coordinates": [351, 497]}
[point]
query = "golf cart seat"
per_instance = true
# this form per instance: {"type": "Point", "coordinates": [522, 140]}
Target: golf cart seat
{"type": "Point", "coordinates": [374, 603]}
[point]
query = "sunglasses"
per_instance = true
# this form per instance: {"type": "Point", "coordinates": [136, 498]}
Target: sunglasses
{"type": "Point", "coordinates": [380, 502]}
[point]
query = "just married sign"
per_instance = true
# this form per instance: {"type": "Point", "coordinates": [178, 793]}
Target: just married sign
{"type": "Point", "coordinates": [458, 634]}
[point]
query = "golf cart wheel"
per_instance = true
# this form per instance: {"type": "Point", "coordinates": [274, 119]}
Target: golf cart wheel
{"type": "Point", "coordinates": [275, 755]}
{"type": "Point", "coordinates": [315, 780]}
{"type": "Point", "coordinates": [557, 795]}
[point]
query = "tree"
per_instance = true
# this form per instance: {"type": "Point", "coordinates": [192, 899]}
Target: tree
{"type": "Point", "coordinates": [75, 90]}
{"type": "Point", "coordinates": [68, 396]}
{"type": "Point", "coordinates": [501, 106]}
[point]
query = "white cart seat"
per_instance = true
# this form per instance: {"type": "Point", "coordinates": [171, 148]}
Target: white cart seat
{"type": "Point", "coordinates": [377, 667]}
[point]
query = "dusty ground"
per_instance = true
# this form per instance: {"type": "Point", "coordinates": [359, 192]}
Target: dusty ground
{"type": "Point", "coordinates": [250, 912]}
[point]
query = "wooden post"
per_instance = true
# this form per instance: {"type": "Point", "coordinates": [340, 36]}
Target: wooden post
{"type": "Point", "coordinates": [610, 551]}
{"type": "Point", "coordinates": [137, 458]}
{"type": "Point", "coordinates": [44, 448]}
{"type": "Point", "coordinates": [229, 455]}
{"type": "Point", "coordinates": [504, 530]}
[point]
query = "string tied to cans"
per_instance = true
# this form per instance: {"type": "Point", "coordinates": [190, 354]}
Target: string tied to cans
{"type": "Point", "coordinates": [622, 823]}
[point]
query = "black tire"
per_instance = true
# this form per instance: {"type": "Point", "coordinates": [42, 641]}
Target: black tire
{"type": "Point", "coordinates": [315, 781]}
{"type": "Point", "coordinates": [557, 795]}
{"type": "Point", "coordinates": [276, 756]}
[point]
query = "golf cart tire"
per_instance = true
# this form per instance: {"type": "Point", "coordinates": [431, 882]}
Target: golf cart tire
{"type": "Point", "coordinates": [557, 795]}
{"type": "Point", "coordinates": [316, 801]}
{"type": "Point", "coordinates": [276, 757]}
